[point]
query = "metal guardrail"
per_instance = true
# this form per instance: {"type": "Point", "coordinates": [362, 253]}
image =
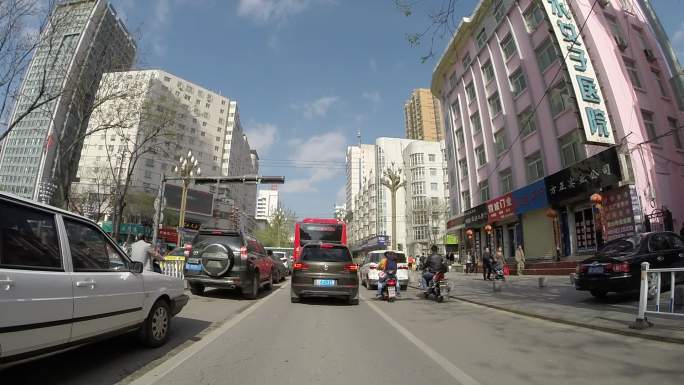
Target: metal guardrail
{"type": "Point", "coordinates": [172, 266]}
{"type": "Point", "coordinates": [641, 321]}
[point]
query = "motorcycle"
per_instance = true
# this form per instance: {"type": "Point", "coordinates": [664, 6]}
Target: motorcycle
{"type": "Point", "coordinates": [389, 291]}
{"type": "Point", "coordinates": [437, 288]}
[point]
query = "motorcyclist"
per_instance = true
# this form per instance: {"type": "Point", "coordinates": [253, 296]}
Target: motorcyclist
{"type": "Point", "coordinates": [432, 265]}
{"type": "Point", "coordinates": [388, 269]}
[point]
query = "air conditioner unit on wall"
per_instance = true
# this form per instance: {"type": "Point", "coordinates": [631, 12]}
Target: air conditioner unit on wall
{"type": "Point", "coordinates": [621, 42]}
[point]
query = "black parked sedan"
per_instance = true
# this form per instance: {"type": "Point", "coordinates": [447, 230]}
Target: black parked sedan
{"type": "Point", "coordinates": [616, 267]}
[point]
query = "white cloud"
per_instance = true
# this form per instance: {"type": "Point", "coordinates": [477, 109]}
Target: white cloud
{"type": "Point", "coordinates": [158, 24]}
{"type": "Point", "coordinates": [317, 108]}
{"type": "Point", "coordinates": [373, 96]}
{"type": "Point", "coordinates": [341, 197]}
{"type": "Point", "coordinates": [264, 11]}
{"type": "Point", "coordinates": [261, 136]}
{"type": "Point", "coordinates": [328, 147]}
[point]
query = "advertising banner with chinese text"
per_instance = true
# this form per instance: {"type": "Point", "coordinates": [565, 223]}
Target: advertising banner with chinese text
{"type": "Point", "coordinates": [585, 177]}
{"type": "Point", "coordinates": [618, 212]}
{"type": "Point", "coordinates": [529, 198]}
{"type": "Point", "coordinates": [476, 216]}
{"type": "Point", "coordinates": [500, 208]}
{"type": "Point", "coordinates": [590, 102]}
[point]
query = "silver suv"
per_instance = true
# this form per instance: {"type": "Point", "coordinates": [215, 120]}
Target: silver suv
{"type": "Point", "coordinates": [64, 282]}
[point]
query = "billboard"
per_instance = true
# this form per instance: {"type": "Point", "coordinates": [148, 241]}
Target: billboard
{"type": "Point", "coordinates": [590, 102]}
{"type": "Point", "coordinates": [198, 202]}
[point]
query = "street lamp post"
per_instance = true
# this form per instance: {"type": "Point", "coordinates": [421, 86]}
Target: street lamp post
{"type": "Point", "coordinates": [187, 167]}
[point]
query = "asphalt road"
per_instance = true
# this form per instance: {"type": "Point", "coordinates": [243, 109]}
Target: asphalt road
{"type": "Point", "coordinates": [411, 341]}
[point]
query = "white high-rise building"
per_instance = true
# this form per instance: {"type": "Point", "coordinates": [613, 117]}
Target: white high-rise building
{"type": "Point", "coordinates": [372, 215]}
{"type": "Point", "coordinates": [84, 39]}
{"type": "Point", "coordinates": [360, 160]}
{"type": "Point", "coordinates": [195, 118]}
{"type": "Point", "coordinates": [427, 195]}
{"type": "Point", "coordinates": [266, 204]}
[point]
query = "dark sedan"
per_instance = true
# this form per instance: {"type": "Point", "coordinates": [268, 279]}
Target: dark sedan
{"type": "Point", "coordinates": [616, 267]}
{"type": "Point", "coordinates": [325, 270]}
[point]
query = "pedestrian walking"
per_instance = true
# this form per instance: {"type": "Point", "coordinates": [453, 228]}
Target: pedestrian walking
{"type": "Point", "coordinates": [468, 263]}
{"type": "Point", "coordinates": [520, 259]}
{"type": "Point", "coordinates": [487, 262]}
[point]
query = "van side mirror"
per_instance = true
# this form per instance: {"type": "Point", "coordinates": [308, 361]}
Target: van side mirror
{"type": "Point", "coordinates": [136, 267]}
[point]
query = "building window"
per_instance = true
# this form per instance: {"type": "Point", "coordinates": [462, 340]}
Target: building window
{"type": "Point", "coordinates": [535, 167]}
{"type": "Point", "coordinates": [546, 54]}
{"type": "Point", "coordinates": [570, 149]}
{"type": "Point", "coordinates": [433, 187]}
{"type": "Point", "coordinates": [617, 31]}
{"type": "Point", "coordinates": [433, 172]}
{"type": "Point", "coordinates": [632, 71]}
{"type": "Point", "coordinates": [149, 162]}
{"type": "Point", "coordinates": [534, 16]}
{"type": "Point", "coordinates": [460, 140]}
{"type": "Point", "coordinates": [455, 109]}
{"type": "Point", "coordinates": [418, 188]}
{"type": "Point", "coordinates": [526, 122]}
{"type": "Point", "coordinates": [431, 157]}
{"type": "Point", "coordinates": [465, 199]}
{"type": "Point", "coordinates": [470, 91]}
{"type": "Point", "coordinates": [659, 80]}
{"type": "Point", "coordinates": [488, 71]}
{"type": "Point", "coordinates": [674, 128]}
{"type": "Point", "coordinates": [463, 166]}
{"type": "Point", "coordinates": [506, 178]}
{"type": "Point", "coordinates": [650, 126]}
{"type": "Point", "coordinates": [484, 191]}
{"type": "Point", "coordinates": [518, 83]}
{"type": "Point", "coordinates": [481, 156]}
{"type": "Point", "coordinates": [559, 98]}
{"type": "Point", "coordinates": [481, 38]}
{"type": "Point", "coordinates": [476, 123]}
{"type": "Point", "coordinates": [500, 142]}
{"type": "Point", "coordinates": [494, 104]}
{"type": "Point", "coordinates": [148, 174]}
{"type": "Point", "coordinates": [466, 61]}
{"type": "Point", "coordinates": [499, 11]}
{"type": "Point", "coordinates": [508, 46]}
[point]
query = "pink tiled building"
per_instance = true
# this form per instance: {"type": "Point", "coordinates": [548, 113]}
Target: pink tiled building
{"type": "Point", "coordinates": [547, 102]}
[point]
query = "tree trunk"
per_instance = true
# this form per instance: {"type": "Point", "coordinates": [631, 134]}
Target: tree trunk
{"type": "Point", "coordinates": [393, 242]}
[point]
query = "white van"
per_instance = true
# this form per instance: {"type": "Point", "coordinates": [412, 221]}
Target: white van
{"type": "Point", "coordinates": [369, 272]}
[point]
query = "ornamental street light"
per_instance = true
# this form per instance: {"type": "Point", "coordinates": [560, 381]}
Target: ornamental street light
{"type": "Point", "coordinates": [187, 168]}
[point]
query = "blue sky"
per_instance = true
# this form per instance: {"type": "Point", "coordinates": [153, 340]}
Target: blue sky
{"type": "Point", "coordinates": [307, 74]}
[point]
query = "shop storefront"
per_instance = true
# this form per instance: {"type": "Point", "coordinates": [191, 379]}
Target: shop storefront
{"type": "Point", "coordinates": [534, 232]}
{"type": "Point", "coordinates": [570, 191]}
{"type": "Point", "coordinates": [455, 226]}
{"type": "Point", "coordinates": [476, 238]}
{"type": "Point", "coordinates": [501, 216]}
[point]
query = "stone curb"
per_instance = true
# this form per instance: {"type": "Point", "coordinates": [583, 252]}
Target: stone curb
{"type": "Point", "coordinates": [628, 332]}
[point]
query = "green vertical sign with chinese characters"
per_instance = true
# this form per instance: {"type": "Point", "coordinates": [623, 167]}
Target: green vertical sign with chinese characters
{"type": "Point", "coordinates": [592, 109]}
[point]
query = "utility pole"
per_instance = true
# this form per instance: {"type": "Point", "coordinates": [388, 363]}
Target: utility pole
{"type": "Point", "coordinates": [392, 180]}
{"type": "Point", "coordinates": [159, 209]}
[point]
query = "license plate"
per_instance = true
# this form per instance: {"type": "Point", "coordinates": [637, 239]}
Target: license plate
{"type": "Point", "coordinates": [193, 267]}
{"type": "Point", "coordinates": [595, 270]}
{"type": "Point", "coordinates": [325, 282]}
{"type": "Point", "coordinates": [392, 291]}
{"type": "Point", "coordinates": [193, 261]}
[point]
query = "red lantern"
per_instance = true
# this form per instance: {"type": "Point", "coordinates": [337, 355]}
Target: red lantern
{"type": "Point", "coordinates": [469, 233]}
{"type": "Point", "coordinates": [488, 228]}
{"type": "Point", "coordinates": [551, 213]}
{"type": "Point", "coordinates": [596, 198]}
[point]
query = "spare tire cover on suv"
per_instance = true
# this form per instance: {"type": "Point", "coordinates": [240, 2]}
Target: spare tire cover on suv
{"type": "Point", "coordinates": [217, 259]}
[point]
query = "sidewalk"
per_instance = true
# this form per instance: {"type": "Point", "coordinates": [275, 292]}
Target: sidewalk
{"type": "Point", "coordinates": [560, 302]}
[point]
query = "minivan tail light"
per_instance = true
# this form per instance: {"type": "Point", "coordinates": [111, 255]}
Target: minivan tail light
{"type": "Point", "coordinates": [300, 266]}
{"type": "Point", "coordinates": [403, 267]}
{"type": "Point", "coordinates": [243, 253]}
{"type": "Point", "coordinates": [352, 268]}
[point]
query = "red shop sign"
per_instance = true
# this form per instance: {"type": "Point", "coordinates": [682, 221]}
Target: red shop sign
{"type": "Point", "coordinates": [168, 234]}
{"type": "Point", "coordinates": [500, 208]}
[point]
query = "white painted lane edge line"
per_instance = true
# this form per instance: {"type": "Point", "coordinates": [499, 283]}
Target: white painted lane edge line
{"type": "Point", "coordinates": [157, 374]}
{"type": "Point", "coordinates": [457, 373]}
